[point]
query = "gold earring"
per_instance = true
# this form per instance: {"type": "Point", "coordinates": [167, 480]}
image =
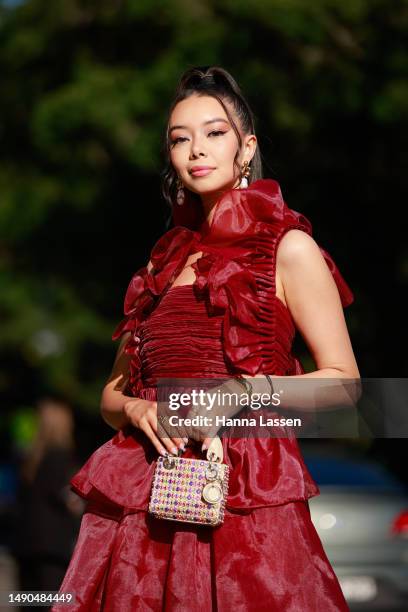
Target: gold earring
{"type": "Point", "coordinates": [245, 173]}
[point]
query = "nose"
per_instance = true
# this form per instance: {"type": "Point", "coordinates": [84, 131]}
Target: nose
{"type": "Point", "coordinates": [196, 149]}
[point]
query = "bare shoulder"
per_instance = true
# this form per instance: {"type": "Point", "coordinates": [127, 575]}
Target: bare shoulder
{"type": "Point", "coordinates": [296, 245]}
{"type": "Point", "coordinates": [299, 260]}
{"type": "Point", "coordinates": [312, 297]}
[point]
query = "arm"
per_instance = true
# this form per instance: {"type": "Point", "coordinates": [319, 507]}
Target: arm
{"type": "Point", "coordinates": [113, 398]}
{"type": "Point", "coordinates": [314, 302]}
{"type": "Point", "coordinates": [119, 410]}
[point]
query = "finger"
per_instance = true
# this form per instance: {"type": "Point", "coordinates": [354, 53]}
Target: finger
{"type": "Point", "coordinates": [156, 425]}
{"type": "Point", "coordinates": [162, 430]}
{"type": "Point", "coordinates": [206, 444]}
{"type": "Point", "coordinates": [165, 439]}
{"type": "Point", "coordinates": [209, 436]}
{"type": "Point", "coordinates": [170, 446]}
{"type": "Point", "coordinates": [147, 429]}
{"type": "Point", "coordinates": [180, 443]}
{"type": "Point", "coordinates": [176, 433]}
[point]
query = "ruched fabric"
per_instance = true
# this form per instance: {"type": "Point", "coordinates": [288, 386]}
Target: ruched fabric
{"type": "Point", "coordinates": [266, 555]}
{"type": "Point", "coordinates": [198, 336]}
{"type": "Point", "coordinates": [236, 275]}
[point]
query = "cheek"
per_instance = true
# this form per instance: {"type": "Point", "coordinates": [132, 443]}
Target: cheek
{"type": "Point", "coordinates": [175, 158]}
{"type": "Point", "coordinates": [225, 150]}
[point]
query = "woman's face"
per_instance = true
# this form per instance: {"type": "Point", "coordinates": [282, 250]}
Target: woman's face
{"type": "Point", "coordinates": [200, 134]}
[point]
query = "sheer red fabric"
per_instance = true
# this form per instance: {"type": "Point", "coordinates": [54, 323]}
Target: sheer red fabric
{"type": "Point", "coordinates": [266, 555]}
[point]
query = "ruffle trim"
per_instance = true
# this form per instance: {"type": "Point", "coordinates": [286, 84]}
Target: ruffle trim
{"type": "Point", "coordinates": [144, 289]}
{"type": "Point", "coordinates": [244, 232]}
{"type": "Point", "coordinates": [263, 472]}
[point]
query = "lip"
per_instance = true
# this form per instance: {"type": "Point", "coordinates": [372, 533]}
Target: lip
{"type": "Point", "coordinates": [201, 170]}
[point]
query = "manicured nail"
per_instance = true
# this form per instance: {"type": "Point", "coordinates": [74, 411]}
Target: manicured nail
{"type": "Point", "coordinates": [185, 440]}
{"type": "Point", "coordinates": [182, 447]}
{"type": "Point", "coordinates": [174, 450]}
{"type": "Point", "coordinates": [204, 447]}
{"type": "Point", "coordinates": [164, 452]}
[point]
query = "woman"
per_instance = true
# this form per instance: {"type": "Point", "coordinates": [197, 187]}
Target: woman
{"type": "Point", "coordinates": [217, 299]}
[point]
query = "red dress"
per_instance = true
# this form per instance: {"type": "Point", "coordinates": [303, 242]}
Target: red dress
{"type": "Point", "coordinates": [267, 555]}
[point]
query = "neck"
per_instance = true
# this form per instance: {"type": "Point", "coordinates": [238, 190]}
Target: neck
{"type": "Point", "coordinates": [209, 200]}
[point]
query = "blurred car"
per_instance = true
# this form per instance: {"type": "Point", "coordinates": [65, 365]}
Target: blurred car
{"type": "Point", "coordinates": [361, 517]}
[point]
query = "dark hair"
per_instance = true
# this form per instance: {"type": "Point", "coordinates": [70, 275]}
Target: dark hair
{"type": "Point", "coordinates": [218, 83]}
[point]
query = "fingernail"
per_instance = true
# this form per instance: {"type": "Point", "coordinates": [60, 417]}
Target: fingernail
{"type": "Point", "coordinates": [164, 452]}
{"type": "Point", "coordinates": [204, 447]}
{"type": "Point", "coordinates": [185, 440]}
{"type": "Point", "coordinates": [182, 447]}
{"type": "Point", "coordinates": [174, 450]}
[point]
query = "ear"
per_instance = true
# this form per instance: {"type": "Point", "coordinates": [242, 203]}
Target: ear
{"type": "Point", "coordinates": [250, 145]}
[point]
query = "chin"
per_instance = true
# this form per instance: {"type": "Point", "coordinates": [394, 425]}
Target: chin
{"type": "Point", "coordinates": [208, 187]}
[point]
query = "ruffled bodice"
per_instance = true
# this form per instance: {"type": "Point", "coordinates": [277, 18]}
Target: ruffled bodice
{"type": "Point", "coordinates": [180, 340]}
{"type": "Point", "coordinates": [235, 276]}
{"type": "Point", "coordinates": [229, 321]}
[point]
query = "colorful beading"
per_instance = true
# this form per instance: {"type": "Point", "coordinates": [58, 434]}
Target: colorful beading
{"type": "Point", "coordinates": [189, 490]}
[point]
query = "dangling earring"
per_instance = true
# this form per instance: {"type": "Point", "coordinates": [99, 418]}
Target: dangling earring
{"type": "Point", "coordinates": [180, 192]}
{"type": "Point", "coordinates": [245, 173]}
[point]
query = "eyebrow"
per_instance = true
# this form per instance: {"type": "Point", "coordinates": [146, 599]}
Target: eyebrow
{"type": "Point", "coordinates": [176, 127]}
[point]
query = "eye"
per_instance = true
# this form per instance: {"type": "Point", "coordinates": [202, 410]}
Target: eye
{"type": "Point", "coordinates": [176, 140]}
{"type": "Point", "coordinates": [181, 138]}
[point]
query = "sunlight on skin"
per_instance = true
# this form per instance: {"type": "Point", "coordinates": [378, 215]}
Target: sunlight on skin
{"type": "Point", "coordinates": [205, 142]}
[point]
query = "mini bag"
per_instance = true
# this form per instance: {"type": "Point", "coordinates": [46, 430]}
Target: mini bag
{"type": "Point", "coordinates": [191, 490]}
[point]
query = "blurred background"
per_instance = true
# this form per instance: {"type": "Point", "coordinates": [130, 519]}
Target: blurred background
{"type": "Point", "coordinates": [85, 88]}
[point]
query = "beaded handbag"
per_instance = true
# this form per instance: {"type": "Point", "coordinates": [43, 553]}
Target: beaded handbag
{"type": "Point", "coordinates": [191, 490]}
